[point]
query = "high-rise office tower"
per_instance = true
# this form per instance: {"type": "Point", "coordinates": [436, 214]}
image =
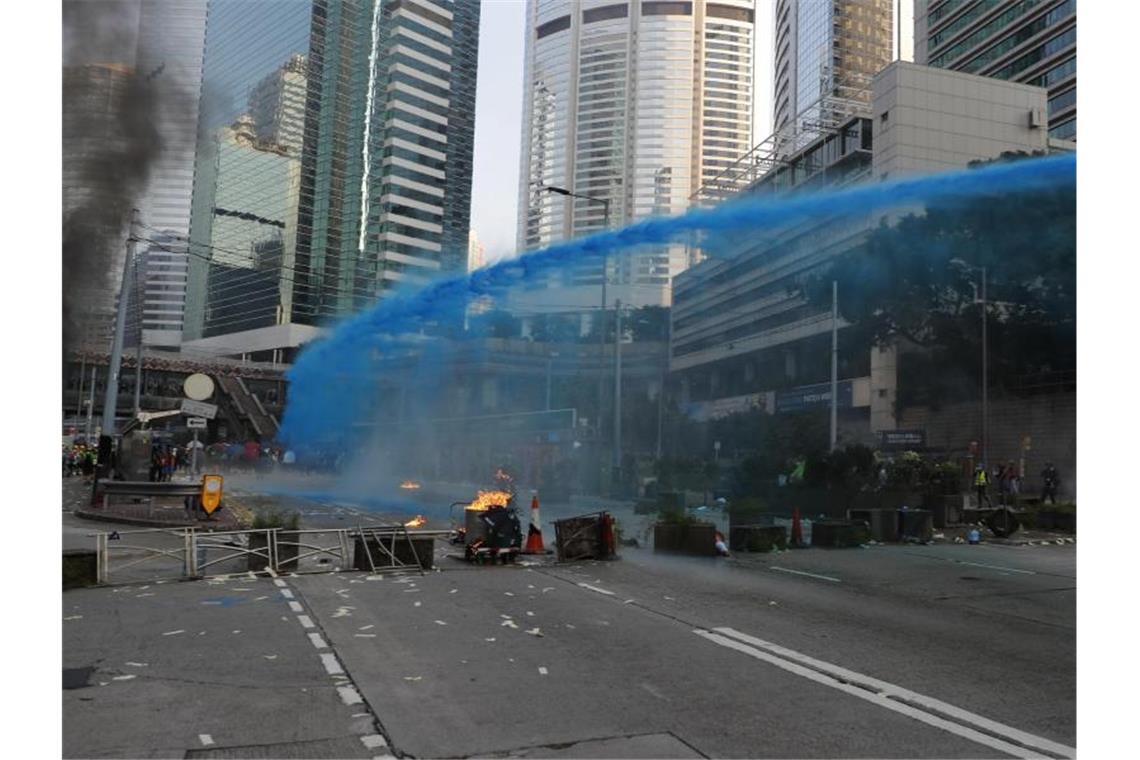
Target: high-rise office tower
{"type": "Point", "coordinates": [826, 52]}
{"type": "Point", "coordinates": [1028, 41]}
{"type": "Point", "coordinates": [151, 51]}
{"type": "Point", "coordinates": [630, 105]}
{"type": "Point", "coordinates": [170, 41]}
{"type": "Point", "coordinates": [347, 127]}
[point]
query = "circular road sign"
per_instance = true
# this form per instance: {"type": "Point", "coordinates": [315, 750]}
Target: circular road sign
{"type": "Point", "coordinates": [198, 387]}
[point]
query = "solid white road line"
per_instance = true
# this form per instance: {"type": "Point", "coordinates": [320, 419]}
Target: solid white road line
{"type": "Point", "coordinates": [349, 695]}
{"type": "Point", "coordinates": [332, 665]}
{"type": "Point", "coordinates": [995, 567]}
{"type": "Point", "coordinates": [888, 690]}
{"type": "Point", "coordinates": [801, 572]}
{"type": "Point", "coordinates": [595, 588]}
{"type": "Point", "coordinates": [372, 741]}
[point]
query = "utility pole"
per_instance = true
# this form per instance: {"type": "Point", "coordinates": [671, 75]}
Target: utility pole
{"type": "Point", "coordinates": [82, 377]}
{"type": "Point", "coordinates": [605, 202]}
{"type": "Point", "coordinates": [834, 363]}
{"type": "Point", "coordinates": [664, 377]}
{"type": "Point", "coordinates": [617, 391]}
{"type": "Point", "coordinates": [985, 377]}
{"type": "Point", "coordinates": [91, 406]}
{"type": "Point", "coordinates": [549, 371]}
{"type": "Point", "coordinates": [111, 398]}
{"type": "Point", "coordinates": [138, 369]}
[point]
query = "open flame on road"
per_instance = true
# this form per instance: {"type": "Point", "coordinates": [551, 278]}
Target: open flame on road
{"type": "Point", "coordinates": [416, 522]}
{"type": "Point", "coordinates": [487, 499]}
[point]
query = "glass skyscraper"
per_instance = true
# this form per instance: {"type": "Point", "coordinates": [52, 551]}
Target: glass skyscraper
{"type": "Point", "coordinates": [349, 130]}
{"type": "Point", "coordinates": [633, 104]}
{"type": "Point", "coordinates": [826, 51]}
{"type": "Point", "coordinates": [1028, 41]}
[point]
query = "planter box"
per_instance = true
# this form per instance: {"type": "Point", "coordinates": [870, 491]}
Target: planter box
{"type": "Point", "coordinates": [1047, 519]}
{"type": "Point", "coordinates": [946, 510]}
{"type": "Point", "coordinates": [757, 538]}
{"type": "Point", "coordinates": [839, 534]}
{"type": "Point", "coordinates": [882, 524]}
{"type": "Point", "coordinates": [79, 568]}
{"type": "Point", "coordinates": [916, 525]}
{"type": "Point", "coordinates": [697, 539]}
{"type": "Point", "coordinates": [425, 552]}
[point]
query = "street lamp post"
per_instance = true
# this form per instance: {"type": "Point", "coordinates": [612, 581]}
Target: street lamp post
{"type": "Point", "coordinates": [605, 202]}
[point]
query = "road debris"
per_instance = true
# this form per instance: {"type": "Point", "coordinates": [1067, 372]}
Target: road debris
{"type": "Point", "coordinates": [536, 631]}
{"type": "Point", "coordinates": [174, 633]}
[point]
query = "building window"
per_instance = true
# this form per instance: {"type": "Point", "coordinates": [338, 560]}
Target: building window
{"type": "Point", "coordinates": [728, 11]}
{"type": "Point", "coordinates": [605, 13]}
{"type": "Point", "coordinates": [553, 27]}
{"type": "Point", "coordinates": [666, 9]}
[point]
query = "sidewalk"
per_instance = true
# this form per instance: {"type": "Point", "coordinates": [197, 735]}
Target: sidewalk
{"type": "Point", "coordinates": [168, 513]}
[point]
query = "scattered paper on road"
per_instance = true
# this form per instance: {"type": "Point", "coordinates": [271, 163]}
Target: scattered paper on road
{"type": "Point", "coordinates": [510, 624]}
{"type": "Point", "coordinates": [124, 678]}
{"type": "Point", "coordinates": [367, 627]}
{"type": "Point", "coordinates": [73, 617]}
{"type": "Point", "coordinates": [542, 671]}
{"type": "Point", "coordinates": [137, 664]}
{"type": "Point", "coordinates": [174, 633]}
{"type": "Point", "coordinates": [413, 678]}
{"type": "Point", "coordinates": [536, 631]}
{"type": "Point", "coordinates": [440, 622]}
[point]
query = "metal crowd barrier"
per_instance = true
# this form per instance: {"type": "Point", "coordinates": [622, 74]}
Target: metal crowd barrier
{"type": "Point", "coordinates": [193, 553]}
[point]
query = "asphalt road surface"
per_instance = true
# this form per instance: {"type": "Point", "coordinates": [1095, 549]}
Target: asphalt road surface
{"type": "Point", "coordinates": [899, 651]}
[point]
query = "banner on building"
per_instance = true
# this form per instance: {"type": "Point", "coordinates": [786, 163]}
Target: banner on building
{"type": "Point", "coordinates": [907, 440]}
{"type": "Point", "coordinates": [703, 411]}
{"type": "Point", "coordinates": [810, 396]}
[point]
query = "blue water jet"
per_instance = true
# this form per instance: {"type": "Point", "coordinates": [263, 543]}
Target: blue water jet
{"type": "Point", "coordinates": [335, 378]}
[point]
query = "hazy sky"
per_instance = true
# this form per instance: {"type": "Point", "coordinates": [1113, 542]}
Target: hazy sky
{"type": "Point", "coordinates": [498, 108]}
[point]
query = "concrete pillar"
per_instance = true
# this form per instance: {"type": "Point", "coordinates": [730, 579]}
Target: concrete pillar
{"type": "Point", "coordinates": [884, 387]}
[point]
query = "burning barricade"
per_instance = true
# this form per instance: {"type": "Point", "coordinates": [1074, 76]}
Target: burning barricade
{"type": "Point", "coordinates": [491, 530]}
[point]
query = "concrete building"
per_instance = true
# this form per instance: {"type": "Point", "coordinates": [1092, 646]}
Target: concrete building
{"type": "Point", "coordinates": [277, 106]}
{"type": "Point", "coordinates": [744, 336]}
{"type": "Point", "coordinates": [1028, 41]}
{"type": "Point", "coordinates": [631, 105]}
{"type": "Point", "coordinates": [476, 253]}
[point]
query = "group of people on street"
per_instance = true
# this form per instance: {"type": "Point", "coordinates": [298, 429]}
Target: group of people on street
{"type": "Point", "coordinates": [165, 460]}
{"type": "Point", "coordinates": [80, 459]}
{"type": "Point", "coordinates": [1008, 479]}
{"type": "Point", "coordinates": [249, 456]}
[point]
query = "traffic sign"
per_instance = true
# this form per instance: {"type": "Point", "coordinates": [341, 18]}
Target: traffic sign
{"type": "Point", "coordinates": [198, 387]}
{"type": "Point", "coordinates": [211, 493]}
{"type": "Point", "coordinates": [196, 422]}
{"type": "Point", "coordinates": [199, 409]}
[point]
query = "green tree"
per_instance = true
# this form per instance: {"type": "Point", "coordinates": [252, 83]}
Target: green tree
{"type": "Point", "coordinates": [917, 280]}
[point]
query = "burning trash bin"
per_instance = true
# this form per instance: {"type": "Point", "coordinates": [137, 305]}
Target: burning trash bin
{"type": "Point", "coordinates": [491, 528]}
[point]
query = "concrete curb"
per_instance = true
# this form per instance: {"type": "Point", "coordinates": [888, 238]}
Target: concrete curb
{"type": "Point", "coordinates": [144, 523]}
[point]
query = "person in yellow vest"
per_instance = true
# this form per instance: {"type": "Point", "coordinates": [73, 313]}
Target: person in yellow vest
{"type": "Point", "coordinates": [981, 480]}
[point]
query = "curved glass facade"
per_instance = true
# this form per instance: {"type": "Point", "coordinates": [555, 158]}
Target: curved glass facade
{"type": "Point", "coordinates": [631, 104]}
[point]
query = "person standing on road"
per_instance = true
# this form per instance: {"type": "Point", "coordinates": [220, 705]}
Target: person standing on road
{"type": "Point", "coordinates": [1051, 480]}
{"type": "Point", "coordinates": [981, 479]}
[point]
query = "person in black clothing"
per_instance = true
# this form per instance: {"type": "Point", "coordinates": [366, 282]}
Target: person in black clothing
{"type": "Point", "coordinates": [1050, 480]}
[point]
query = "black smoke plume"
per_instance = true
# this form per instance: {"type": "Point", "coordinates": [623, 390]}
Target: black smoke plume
{"type": "Point", "coordinates": [110, 143]}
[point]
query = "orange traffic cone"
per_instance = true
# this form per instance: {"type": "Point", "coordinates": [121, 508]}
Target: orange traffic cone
{"type": "Point", "coordinates": [797, 528]}
{"type": "Point", "coordinates": [534, 543]}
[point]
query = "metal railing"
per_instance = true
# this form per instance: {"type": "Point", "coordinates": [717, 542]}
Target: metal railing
{"type": "Point", "coordinates": [188, 553]}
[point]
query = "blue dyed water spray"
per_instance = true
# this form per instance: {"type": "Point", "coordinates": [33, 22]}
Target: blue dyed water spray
{"type": "Point", "coordinates": [334, 378]}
